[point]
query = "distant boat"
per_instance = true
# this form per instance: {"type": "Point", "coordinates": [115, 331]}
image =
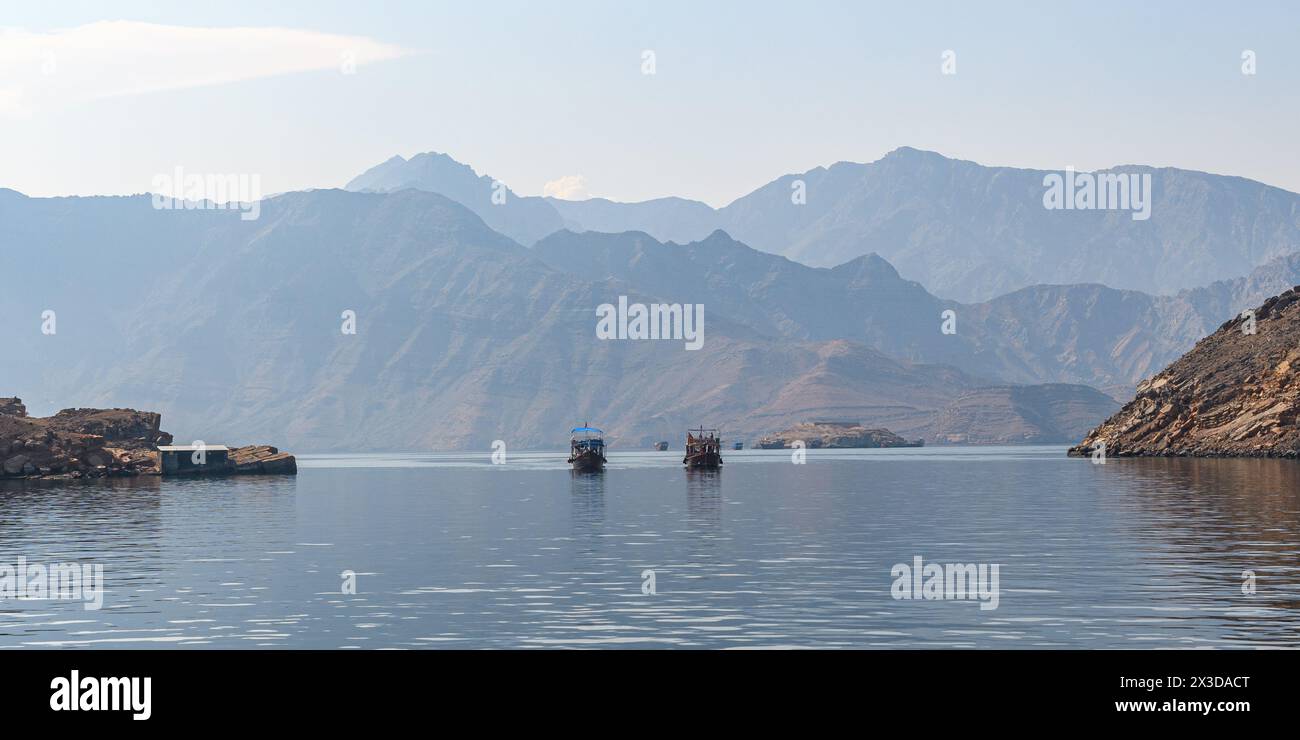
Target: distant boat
{"type": "Point", "coordinates": [587, 450]}
{"type": "Point", "coordinates": [738, 446]}
{"type": "Point", "coordinates": [661, 446]}
{"type": "Point", "coordinates": [703, 448]}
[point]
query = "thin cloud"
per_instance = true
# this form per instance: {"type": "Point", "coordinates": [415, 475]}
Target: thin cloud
{"type": "Point", "coordinates": [116, 58]}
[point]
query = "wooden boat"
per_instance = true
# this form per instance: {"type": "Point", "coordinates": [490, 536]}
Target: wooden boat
{"type": "Point", "coordinates": [703, 448]}
{"type": "Point", "coordinates": [587, 450]}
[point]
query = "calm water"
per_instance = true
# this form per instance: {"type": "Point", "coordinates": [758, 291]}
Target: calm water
{"type": "Point", "coordinates": [451, 551]}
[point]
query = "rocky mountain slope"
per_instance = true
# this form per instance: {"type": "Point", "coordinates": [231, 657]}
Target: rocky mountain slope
{"type": "Point", "coordinates": [1237, 393]}
{"type": "Point", "coordinates": [1008, 415]}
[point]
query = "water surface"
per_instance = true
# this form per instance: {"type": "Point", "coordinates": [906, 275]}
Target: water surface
{"type": "Point", "coordinates": [452, 551]}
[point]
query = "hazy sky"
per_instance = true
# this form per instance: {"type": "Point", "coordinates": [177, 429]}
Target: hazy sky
{"type": "Point", "coordinates": [538, 92]}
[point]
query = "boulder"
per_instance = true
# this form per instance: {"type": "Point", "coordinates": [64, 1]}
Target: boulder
{"type": "Point", "coordinates": [14, 465]}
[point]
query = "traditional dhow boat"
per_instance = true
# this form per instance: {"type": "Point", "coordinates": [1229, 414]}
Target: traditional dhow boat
{"type": "Point", "coordinates": [703, 448]}
{"type": "Point", "coordinates": [587, 450]}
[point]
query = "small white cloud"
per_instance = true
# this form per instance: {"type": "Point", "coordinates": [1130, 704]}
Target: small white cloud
{"type": "Point", "coordinates": [115, 58]}
{"type": "Point", "coordinates": [569, 187]}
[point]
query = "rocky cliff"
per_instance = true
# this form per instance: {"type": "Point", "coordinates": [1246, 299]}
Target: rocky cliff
{"type": "Point", "coordinates": [1234, 394]}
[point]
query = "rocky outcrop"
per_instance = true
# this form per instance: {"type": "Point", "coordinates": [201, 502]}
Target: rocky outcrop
{"type": "Point", "coordinates": [101, 443]}
{"type": "Point", "coordinates": [124, 428]}
{"type": "Point", "coordinates": [262, 460]}
{"type": "Point", "coordinates": [835, 434]}
{"type": "Point", "coordinates": [12, 407]}
{"type": "Point", "coordinates": [77, 443]}
{"type": "Point", "coordinates": [1236, 394]}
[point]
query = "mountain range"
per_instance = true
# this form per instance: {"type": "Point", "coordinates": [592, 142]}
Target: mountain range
{"type": "Point", "coordinates": [235, 330]}
{"type": "Point", "coordinates": [1082, 334]}
{"type": "Point", "coordinates": [965, 231]}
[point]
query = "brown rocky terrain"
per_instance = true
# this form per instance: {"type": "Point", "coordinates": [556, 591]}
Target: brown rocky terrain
{"type": "Point", "coordinates": [835, 434]}
{"type": "Point", "coordinates": [1236, 394]}
{"type": "Point", "coordinates": [76, 443]}
{"type": "Point", "coordinates": [99, 443]}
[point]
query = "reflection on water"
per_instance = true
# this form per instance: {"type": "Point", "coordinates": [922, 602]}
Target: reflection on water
{"type": "Point", "coordinates": [453, 551]}
{"type": "Point", "coordinates": [704, 499]}
{"type": "Point", "coordinates": [587, 502]}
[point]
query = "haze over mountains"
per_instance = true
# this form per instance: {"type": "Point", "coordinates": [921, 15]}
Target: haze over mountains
{"type": "Point", "coordinates": [231, 328]}
{"type": "Point", "coordinates": [1089, 334]}
{"type": "Point", "coordinates": [965, 231]}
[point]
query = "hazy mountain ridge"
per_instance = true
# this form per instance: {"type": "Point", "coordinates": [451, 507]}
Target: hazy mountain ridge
{"type": "Point", "coordinates": [966, 231]}
{"type": "Point", "coordinates": [522, 218]}
{"type": "Point", "coordinates": [1080, 334]}
{"type": "Point", "coordinates": [668, 219]}
{"type": "Point", "coordinates": [971, 232]}
{"type": "Point", "coordinates": [232, 330]}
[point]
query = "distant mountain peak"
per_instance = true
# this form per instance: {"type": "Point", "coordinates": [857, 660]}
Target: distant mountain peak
{"type": "Point", "coordinates": [522, 218]}
{"type": "Point", "coordinates": [868, 264]}
{"type": "Point", "coordinates": [904, 153]}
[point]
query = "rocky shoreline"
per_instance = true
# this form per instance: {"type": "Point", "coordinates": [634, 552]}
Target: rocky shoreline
{"type": "Point", "coordinates": [1236, 394]}
{"type": "Point", "coordinates": [77, 444]}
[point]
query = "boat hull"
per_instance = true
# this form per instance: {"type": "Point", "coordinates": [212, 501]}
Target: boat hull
{"type": "Point", "coordinates": [587, 462]}
{"type": "Point", "coordinates": [703, 460]}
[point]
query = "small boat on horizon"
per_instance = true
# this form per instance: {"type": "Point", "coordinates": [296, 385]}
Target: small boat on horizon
{"type": "Point", "coordinates": [738, 446]}
{"type": "Point", "coordinates": [661, 446]}
{"type": "Point", "coordinates": [587, 449]}
{"type": "Point", "coordinates": [703, 448]}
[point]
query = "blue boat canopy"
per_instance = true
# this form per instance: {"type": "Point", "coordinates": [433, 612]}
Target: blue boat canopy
{"type": "Point", "coordinates": [585, 429]}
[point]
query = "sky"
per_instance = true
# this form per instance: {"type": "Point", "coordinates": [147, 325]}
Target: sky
{"type": "Point", "coordinates": [102, 97]}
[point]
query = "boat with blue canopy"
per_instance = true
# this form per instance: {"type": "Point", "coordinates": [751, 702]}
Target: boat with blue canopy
{"type": "Point", "coordinates": [587, 449]}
